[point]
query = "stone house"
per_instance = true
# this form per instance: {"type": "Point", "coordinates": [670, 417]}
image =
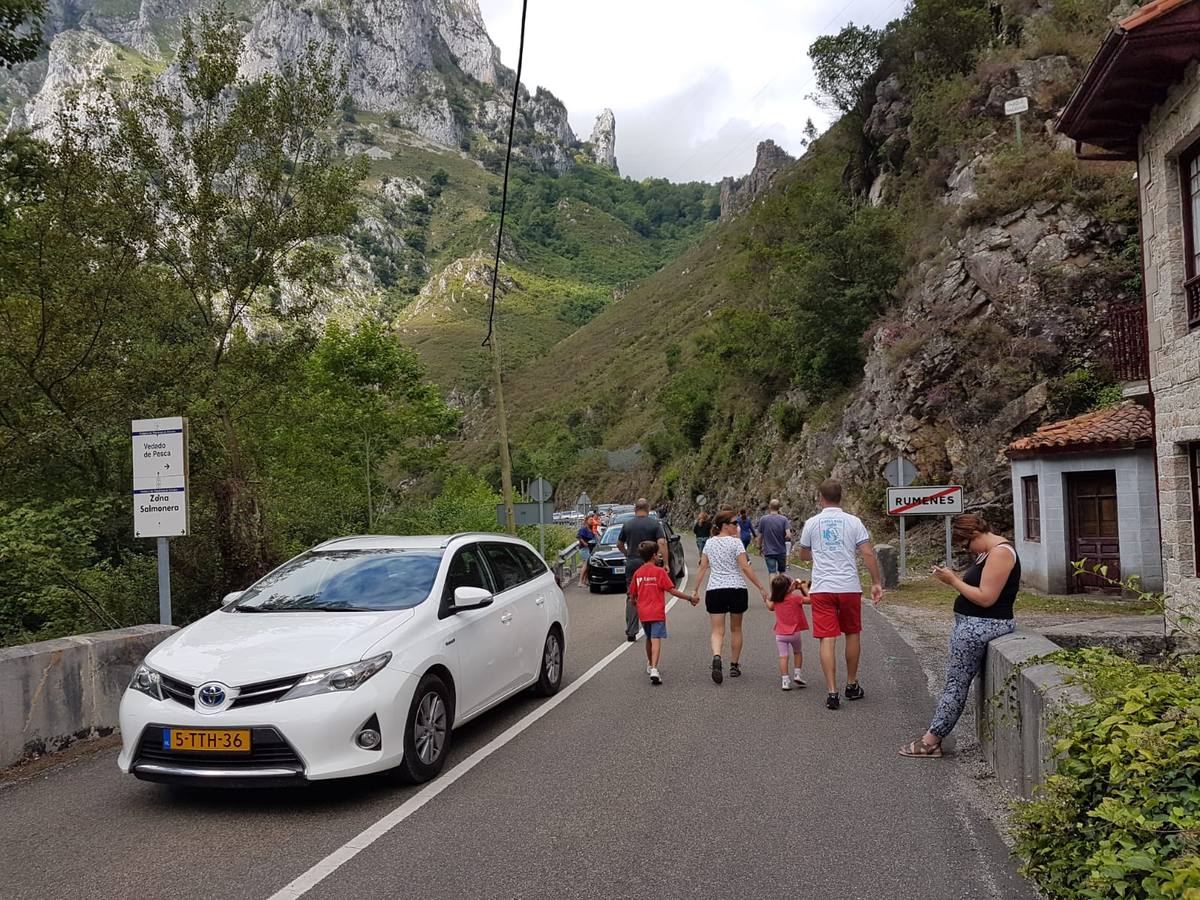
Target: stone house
{"type": "Point", "coordinates": [1085, 489]}
{"type": "Point", "coordinates": [1139, 101]}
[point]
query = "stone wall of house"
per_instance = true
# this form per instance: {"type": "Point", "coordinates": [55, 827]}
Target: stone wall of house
{"type": "Point", "coordinates": [1174, 350]}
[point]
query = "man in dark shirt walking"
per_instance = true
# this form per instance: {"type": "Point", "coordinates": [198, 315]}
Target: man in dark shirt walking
{"type": "Point", "coordinates": [774, 532]}
{"type": "Point", "coordinates": [642, 527]}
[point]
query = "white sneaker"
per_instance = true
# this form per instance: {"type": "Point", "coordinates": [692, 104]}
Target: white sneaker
{"type": "Point", "coordinates": [655, 678]}
{"type": "Point", "coordinates": [649, 668]}
{"type": "Point", "coordinates": [800, 682]}
{"type": "Point", "coordinates": [787, 684]}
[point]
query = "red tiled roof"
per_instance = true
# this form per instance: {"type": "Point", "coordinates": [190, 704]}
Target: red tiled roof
{"type": "Point", "coordinates": [1114, 428]}
{"type": "Point", "coordinates": [1150, 12]}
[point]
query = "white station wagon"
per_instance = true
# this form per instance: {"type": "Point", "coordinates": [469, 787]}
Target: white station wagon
{"type": "Point", "coordinates": [360, 655]}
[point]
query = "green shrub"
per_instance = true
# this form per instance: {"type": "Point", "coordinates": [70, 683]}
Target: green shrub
{"type": "Point", "coordinates": [788, 418]}
{"type": "Point", "coordinates": [1121, 817]}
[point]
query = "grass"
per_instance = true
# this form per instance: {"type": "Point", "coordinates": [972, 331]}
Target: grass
{"type": "Point", "coordinates": [928, 593]}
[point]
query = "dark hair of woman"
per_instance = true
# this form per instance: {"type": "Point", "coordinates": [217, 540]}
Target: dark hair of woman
{"type": "Point", "coordinates": [967, 526]}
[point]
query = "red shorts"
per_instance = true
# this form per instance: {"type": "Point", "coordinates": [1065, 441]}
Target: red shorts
{"type": "Point", "coordinates": [835, 614]}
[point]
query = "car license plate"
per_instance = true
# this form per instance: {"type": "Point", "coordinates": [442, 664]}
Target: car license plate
{"type": "Point", "coordinates": [206, 740]}
{"type": "Point", "coordinates": [618, 570]}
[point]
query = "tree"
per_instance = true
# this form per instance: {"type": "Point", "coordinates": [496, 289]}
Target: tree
{"type": "Point", "coordinates": [244, 183]}
{"type": "Point", "coordinates": [20, 30]}
{"type": "Point", "coordinates": [843, 63]}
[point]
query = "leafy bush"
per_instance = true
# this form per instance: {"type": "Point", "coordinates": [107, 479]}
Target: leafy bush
{"type": "Point", "coordinates": [1083, 389]}
{"type": "Point", "coordinates": [1121, 817]}
{"type": "Point", "coordinates": [788, 418]}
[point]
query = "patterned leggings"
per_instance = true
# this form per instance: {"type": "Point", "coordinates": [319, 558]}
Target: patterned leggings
{"type": "Point", "coordinates": [968, 643]}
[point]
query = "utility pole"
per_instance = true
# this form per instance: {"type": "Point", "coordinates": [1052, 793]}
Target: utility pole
{"type": "Point", "coordinates": [506, 485]}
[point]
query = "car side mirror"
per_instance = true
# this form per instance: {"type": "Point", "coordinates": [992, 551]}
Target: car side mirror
{"type": "Point", "coordinates": [231, 597]}
{"type": "Point", "coordinates": [468, 598]}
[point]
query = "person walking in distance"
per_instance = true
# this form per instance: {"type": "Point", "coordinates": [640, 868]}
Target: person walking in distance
{"type": "Point", "coordinates": [642, 527]}
{"type": "Point", "coordinates": [774, 533]}
{"type": "Point", "coordinates": [727, 567]}
{"type": "Point", "coordinates": [745, 529]}
{"type": "Point", "coordinates": [702, 530]}
{"type": "Point", "coordinates": [833, 540]}
{"type": "Point", "coordinates": [983, 611]}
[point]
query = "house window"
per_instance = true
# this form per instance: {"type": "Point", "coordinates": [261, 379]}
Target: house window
{"type": "Point", "coordinates": [1194, 457]}
{"type": "Point", "coordinates": [1033, 509]}
{"type": "Point", "coordinates": [1190, 184]}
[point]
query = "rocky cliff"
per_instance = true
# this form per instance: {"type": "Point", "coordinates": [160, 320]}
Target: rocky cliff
{"type": "Point", "coordinates": [738, 193]}
{"type": "Point", "coordinates": [604, 140]}
{"type": "Point", "coordinates": [428, 64]}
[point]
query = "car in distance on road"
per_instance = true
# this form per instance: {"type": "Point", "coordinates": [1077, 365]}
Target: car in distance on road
{"type": "Point", "coordinates": [361, 655]}
{"type": "Point", "coordinates": [606, 568]}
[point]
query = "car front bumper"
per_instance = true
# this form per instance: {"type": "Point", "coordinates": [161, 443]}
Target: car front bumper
{"type": "Point", "coordinates": [292, 741]}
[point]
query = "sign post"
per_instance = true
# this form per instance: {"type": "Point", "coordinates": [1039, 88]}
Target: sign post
{"type": "Point", "coordinates": [541, 490]}
{"type": "Point", "coordinates": [901, 473]}
{"type": "Point", "coordinates": [1015, 108]}
{"type": "Point", "coordinates": [160, 492]}
{"type": "Point", "coordinates": [938, 500]}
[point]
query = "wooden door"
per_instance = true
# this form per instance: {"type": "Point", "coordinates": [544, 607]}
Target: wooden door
{"type": "Point", "coordinates": [1092, 511]}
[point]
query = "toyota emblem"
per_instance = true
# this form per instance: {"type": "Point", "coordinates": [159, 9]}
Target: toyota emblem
{"type": "Point", "coordinates": [211, 695]}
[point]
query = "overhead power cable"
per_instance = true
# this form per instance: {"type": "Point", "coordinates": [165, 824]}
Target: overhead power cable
{"type": "Point", "coordinates": [512, 125]}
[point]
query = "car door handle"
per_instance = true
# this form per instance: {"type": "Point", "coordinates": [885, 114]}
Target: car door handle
{"type": "Point", "coordinates": [540, 601]}
{"type": "Point", "coordinates": [506, 618]}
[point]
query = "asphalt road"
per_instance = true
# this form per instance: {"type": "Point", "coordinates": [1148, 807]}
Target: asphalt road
{"type": "Point", "coordinates": [623, 790]}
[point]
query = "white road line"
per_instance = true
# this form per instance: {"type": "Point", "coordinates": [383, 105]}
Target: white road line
{"type": "Point", "coordinates": [364, 839]}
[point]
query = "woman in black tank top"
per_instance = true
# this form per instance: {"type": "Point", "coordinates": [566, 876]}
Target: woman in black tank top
{"type": "Point", "coordinates": [983, 611]}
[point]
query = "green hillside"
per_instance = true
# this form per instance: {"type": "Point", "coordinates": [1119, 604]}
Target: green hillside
{"type": "Point", "coordinates": [572, 243]}
{"type": "Point", "coordinates": [777, 350]}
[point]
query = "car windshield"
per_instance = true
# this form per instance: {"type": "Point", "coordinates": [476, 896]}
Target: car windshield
{"type": "Point", "coordinates": [609, 538]}
{"type": "Point", "coordinates": [345, 581]}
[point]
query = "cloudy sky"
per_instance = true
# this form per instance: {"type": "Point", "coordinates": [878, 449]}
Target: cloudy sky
{"type": "Point", "coordinates": [695, 84]}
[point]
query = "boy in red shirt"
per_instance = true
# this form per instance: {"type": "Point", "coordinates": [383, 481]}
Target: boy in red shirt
{"type": "Point", "coordinates": [649, 588]}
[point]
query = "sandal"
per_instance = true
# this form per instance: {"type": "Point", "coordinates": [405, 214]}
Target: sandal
{"type": "Point", "coordinates": [918, 749]}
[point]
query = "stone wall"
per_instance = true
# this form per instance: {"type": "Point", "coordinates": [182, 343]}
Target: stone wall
{"type": "Point", "coordinates": [1015, 702]}
{"type": "Point", "coordinates": [1045, 564]}
{"type": "Point", "coordinates": [55, 692]}
{"type": "Point", "coordinates": [1174, 350]}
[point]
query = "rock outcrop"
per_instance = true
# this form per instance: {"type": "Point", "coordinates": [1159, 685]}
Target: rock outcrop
{"type": "Point", "coordinates": [604, 141]}
{"type": "Point", "coordinates": [428, 64]}
{"type": "Point", "coordinates": [738, 193]}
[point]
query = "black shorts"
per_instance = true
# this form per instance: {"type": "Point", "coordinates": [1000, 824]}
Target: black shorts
{"type": "Point", "coordinates": [727, 600]}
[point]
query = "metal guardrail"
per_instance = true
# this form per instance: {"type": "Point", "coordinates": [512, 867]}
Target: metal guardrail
{"type": "Point", "coordinates": [567, 563]}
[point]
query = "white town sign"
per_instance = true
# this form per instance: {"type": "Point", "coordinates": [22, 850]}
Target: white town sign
{"type": "Point", "coordinates": [939, 500]}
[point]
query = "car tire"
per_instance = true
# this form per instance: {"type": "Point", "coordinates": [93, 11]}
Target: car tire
{"type": "Point", "coordinates": [550, 669]}
{"type": "Point", "coordinates": [594, 588]}
{"type": "Point", "coordinates": [427, 731]}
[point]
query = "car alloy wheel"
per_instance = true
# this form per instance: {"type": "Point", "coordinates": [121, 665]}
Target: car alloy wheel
{"type": "Point", "coordinates": [429, 728]}
{"type": "Point", "coordinates": [550, 675]}
{"type": "Point", "coordinates": [552, 658]}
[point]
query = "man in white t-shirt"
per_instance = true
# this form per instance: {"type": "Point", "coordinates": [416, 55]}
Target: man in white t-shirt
{"type": "Point", "coordinates": [834, 540]}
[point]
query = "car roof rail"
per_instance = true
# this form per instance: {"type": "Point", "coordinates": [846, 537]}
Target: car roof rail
{"type": "Point", "coordinates": [490, 535]}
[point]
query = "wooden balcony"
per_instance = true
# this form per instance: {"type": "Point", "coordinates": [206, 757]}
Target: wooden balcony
{"type": "Point", "coordinates": [1127, 338]}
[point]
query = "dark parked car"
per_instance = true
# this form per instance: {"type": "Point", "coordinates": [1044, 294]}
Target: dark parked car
{"type": "Point", "coordinates": [606, 570]}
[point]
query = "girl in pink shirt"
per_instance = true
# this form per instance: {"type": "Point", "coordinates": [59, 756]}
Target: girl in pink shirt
{"type": "Point", "coordinates": [787, 602]}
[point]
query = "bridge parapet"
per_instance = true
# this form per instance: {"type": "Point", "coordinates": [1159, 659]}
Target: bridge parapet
{"type": "Point", "coordinates": [56, 692]}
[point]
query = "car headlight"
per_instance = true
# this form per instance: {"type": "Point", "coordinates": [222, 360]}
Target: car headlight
{"type": "Point", "coordinates": [147, 681]}
{"type": "Point", "coordinates": [343, 678]}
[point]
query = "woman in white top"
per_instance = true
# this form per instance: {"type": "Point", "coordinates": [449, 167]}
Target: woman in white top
{"type": "Point", "coordinates": [727, 566]}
